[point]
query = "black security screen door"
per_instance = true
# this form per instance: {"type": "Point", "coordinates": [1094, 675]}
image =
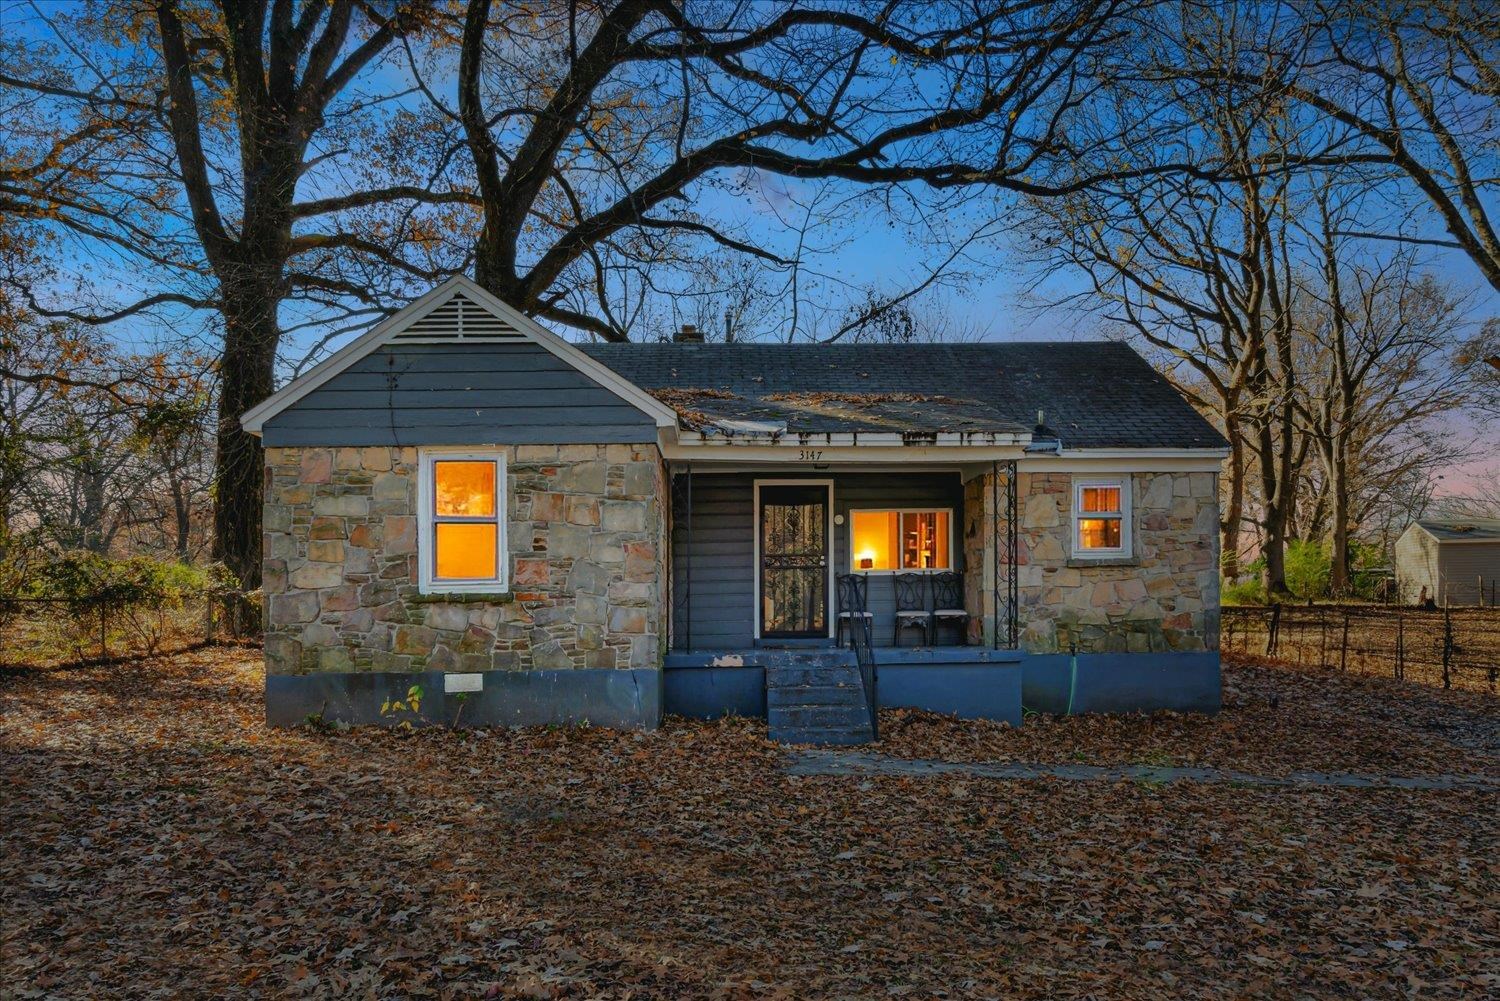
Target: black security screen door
{"type": "Point", "coordinates": [793, 561]}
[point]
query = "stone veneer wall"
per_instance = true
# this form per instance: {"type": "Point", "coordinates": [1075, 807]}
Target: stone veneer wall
{"type": "Point", "coordinates": [1165, 597]}
{"type": "Point", "coordinates": [587, 540]}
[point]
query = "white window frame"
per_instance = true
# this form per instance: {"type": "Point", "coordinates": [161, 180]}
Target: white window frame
{"type": "Point", "coordinates": [427, 581]}
{"type": "Point", "coordinates": [952, 555]}
{"type": "Point", "coordinates": [1124, 483]}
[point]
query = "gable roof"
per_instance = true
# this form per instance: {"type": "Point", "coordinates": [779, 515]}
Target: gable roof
{"type": "Point", "coordinates": [1461, 529]}
{"type": "Point", "coordinates": [456, 312]}
{"type": "Point", "coordinates": [1093, 394]}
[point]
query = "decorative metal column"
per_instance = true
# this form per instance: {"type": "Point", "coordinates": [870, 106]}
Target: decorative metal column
{"type": "Point", "coordinates": [1005, 631]}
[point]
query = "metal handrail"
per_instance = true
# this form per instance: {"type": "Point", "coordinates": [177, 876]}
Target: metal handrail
{"type": "Point", "coordinates": [862, 642]}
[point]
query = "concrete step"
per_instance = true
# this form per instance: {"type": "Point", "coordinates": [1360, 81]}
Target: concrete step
{"type": "Point", "coordinates": [815, 695]}
{"type": "Point", "coordinates": [815, 716]}
{"type": "Point", "coordinates": [823, 735]}
{"type": "Point", "coordinates": [827, 674]}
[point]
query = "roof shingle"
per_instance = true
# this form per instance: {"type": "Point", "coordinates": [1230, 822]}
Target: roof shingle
{"type": "Point", "coordinates": [1093, 394]}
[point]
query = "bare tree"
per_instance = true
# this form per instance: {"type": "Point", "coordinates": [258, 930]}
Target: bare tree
{"type": "Point", "coordinates": [1381, 359]}
{"type": "Point", "coordinates": [1197, 265]}
{"type": "Point", "coordinates": [1411, 85]}
{"type": "Point", "coordinates": [593, 128]}
{"type": "Point", "coordinates": [230, 154]}
{"type": "Point", "coordinates": [1482, 500]}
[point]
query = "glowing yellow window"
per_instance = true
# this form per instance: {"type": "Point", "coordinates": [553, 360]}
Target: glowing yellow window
{"type": "Point", "coordinates": [464, 530]}
{"type": "Point", "coordinates": [1101, 519]}
{"type": "Point", "coordinates": [900, 540]}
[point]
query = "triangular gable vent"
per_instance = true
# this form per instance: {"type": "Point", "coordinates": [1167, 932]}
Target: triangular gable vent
{"type": "Point", "coordinates": [458, 319]}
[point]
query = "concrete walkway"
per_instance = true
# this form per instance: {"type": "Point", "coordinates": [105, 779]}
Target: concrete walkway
{"type": "Point", "coordinates": [813, 761]}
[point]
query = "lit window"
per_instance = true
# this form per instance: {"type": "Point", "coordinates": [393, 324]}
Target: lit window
{"type": "Point", "coordinates": [900, 540]}
{"type": "Point", "coordinates": [461, 540]}
{"type": "Point", "coordinates": [1101, 517]}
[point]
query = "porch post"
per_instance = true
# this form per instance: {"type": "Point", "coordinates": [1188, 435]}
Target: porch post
{"type": "Point", "coordinates": [995, 551]}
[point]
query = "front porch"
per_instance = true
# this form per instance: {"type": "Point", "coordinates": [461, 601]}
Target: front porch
{"type": "Point", "coordinates": [756, 556]}
{"type": "Point", "coordinates": [757, 596]}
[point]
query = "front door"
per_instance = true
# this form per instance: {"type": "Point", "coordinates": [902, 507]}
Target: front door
{"type": "Point", "coordinates": [793, 526]}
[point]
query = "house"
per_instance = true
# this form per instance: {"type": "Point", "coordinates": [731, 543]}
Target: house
{"type": "Point", "coordinates": [1452, 561]}
{"type": "Point", "coordinates": [531, 531]}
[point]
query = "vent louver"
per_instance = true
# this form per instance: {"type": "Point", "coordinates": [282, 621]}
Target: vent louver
{"type": "Point", "coordinates": [458, 320]}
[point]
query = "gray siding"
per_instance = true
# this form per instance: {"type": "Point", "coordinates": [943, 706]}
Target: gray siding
{"type": "Point", "coordinates": [1460, 567]}
{"type": "Point", "coordinates": [714, 584]}
{"type": "Point", "coordinates": [456, 394]}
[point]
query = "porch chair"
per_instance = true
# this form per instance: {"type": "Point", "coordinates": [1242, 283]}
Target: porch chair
{"type": "Point", "coordinates": [911, 608]}
{"type": "Point", "coordinates": [854, 593]}
{"type": "Point", "coordinates": [948, 604]}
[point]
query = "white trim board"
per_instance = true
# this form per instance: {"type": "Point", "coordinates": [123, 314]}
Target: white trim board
{"type": "Point", "coordinates": [829, 608]}
{"type": "Point", "coordinates": [387, 330]}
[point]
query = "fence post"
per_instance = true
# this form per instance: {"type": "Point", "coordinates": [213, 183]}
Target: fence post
{"type": "Point", "coordinates": [1447, 647]}
{"type": "Point", "coordinates": [1344, 645]}
{"type": "Point", "coordinates": [1323, 639]}
{"type": "Point", "coordinates": [1400, 648]}
{"type": "Point", "coordinates": [1273, 628]}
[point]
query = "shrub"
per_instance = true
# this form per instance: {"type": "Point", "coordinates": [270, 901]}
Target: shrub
{"type": "Point", "coordinates": [1243, 592]}
{"type": "Point", "coordinates": [1308, 568]}
{"type": "Point", "coordinates": [136, 593]}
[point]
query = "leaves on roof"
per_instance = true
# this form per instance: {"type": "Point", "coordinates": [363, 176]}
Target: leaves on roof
{"type": "Point", "coordinates": [684, 400]}
{"type": "Point", "coordinates": [813, 399]}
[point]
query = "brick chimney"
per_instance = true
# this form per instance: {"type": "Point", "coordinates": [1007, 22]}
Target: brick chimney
{"type": "Point", "coordinates": [689, 334]}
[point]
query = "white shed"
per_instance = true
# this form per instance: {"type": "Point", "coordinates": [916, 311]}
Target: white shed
{"type": "Point", "coordinates": [1453, 558]}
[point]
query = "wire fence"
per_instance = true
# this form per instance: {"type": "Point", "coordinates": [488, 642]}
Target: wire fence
{"type": "Point", "coordinates": [104, 628]}
{"type": "Point", "coordinates": [1451, 647]}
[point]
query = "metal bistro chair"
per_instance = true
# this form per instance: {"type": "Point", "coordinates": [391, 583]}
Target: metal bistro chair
{"type": "Point", "coordinates": [911, 608]}
{"type": "Point", "coordinates": [854, 593]}
{"type": "Point", "coordinates": [948, 604]}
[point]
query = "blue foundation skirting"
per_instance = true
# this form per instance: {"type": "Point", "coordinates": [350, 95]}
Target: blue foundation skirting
{"type": "Point", "coordinates": [970, 682]}
{"type": "Point", "coordinates": [621, 699]}
{"type": "Point", "coordinates": [1123, 682]}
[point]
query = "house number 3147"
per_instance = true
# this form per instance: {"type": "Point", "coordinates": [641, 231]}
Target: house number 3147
{"type": "Point", "coordinates": [809, 455]}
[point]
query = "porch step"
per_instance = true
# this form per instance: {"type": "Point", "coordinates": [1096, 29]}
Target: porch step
{"type": "Point", "coordinates": [817, 698]}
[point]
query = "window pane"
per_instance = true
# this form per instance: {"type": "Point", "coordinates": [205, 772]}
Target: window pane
{"type": "Point", "coordinates": [876, 540]}
{"type": "Point", "coordinates": [464, 489]}
{"type": "Point", "coordinates": [924, 540]}
{"type": "Point", "coordinates": [1099, 533]}
{"type": "Point", "coordinates": [1105, 500]}
{"type": "Point", "coordinates": [465, 551]}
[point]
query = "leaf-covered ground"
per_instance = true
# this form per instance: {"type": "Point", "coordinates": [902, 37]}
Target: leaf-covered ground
{"type": "Point", "coordinates": [156, 840]}
{"type": "Point", "coordinates": [1275, 720]}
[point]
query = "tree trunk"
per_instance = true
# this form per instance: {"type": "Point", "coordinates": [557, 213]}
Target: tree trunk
{"type": "Point", "coordinates": [1234, 509]}
{"type": "Point", "coordinates": [182, 510]}
{"type": "Point", "coordinates": [1273, 520]}
{"type": "Point", "coordinates": [1338, 492]}
{"type": "Point", "coordinates": [247, 377]}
